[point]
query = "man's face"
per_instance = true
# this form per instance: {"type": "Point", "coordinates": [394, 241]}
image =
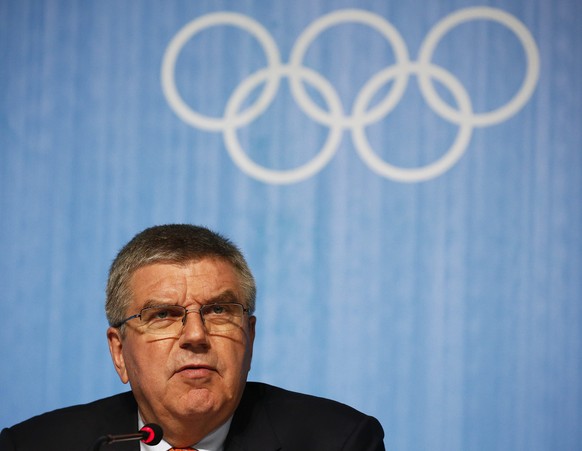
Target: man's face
{"type": "Point", "coordinates": [195, 375]}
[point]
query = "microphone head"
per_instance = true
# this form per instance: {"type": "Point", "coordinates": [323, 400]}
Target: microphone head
{"type": "Point", "coordinates": [152, 434]}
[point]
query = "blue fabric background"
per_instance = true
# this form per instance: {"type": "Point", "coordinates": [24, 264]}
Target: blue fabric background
{"type": "Point", "coordinates": [449, 308]}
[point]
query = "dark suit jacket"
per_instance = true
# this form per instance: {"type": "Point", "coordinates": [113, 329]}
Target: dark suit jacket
{"type": "Point", "coordinates": [267, 419]}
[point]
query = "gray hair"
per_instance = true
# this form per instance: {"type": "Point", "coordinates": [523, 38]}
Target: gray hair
{"type": "Point", "coordinates": [172, 243]}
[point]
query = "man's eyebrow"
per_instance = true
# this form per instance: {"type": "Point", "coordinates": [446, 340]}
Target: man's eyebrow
{"type": "Point", "coordinates": [156, 303]}
{"type": "Point", "coordinates": [225, 296]}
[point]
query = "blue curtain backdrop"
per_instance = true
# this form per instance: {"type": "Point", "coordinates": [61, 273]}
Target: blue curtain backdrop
{"type": "Point", "coordinates": [405, 178]}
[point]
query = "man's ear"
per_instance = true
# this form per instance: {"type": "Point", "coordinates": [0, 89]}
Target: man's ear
{"type": "Point", "coordinates": [115, 341]}
{"type": "Point", "coordinates": [252, 325]}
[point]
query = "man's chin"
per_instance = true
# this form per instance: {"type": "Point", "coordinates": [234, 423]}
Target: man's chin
{"type": "Point", "coordinates": [198, 400]}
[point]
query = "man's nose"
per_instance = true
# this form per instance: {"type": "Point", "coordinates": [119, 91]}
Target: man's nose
{"type": "Point", "coordinates": [193, 331]}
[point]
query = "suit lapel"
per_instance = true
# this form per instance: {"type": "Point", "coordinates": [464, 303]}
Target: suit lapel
{"type": "Point", "coordinates": [121, 418]}
{"type": "Point", "coordinates": [251, 429]}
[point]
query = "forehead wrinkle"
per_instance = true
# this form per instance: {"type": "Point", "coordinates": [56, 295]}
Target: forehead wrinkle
{"type": "Point", "coordinates": [158, 285]}
{"type": "Point", "coordinates": [194, 282]}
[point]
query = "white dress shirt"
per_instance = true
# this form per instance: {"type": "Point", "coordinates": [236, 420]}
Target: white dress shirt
{"type": "Point", "coordinates": [212, 442]}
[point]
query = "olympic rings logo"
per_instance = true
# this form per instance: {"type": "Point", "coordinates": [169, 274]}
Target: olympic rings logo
{"type": "Point", "coordinates": [361, 115]}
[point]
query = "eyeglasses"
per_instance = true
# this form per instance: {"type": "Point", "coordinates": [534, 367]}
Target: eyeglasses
{"type": "Point", "coordinates": [168, 320]}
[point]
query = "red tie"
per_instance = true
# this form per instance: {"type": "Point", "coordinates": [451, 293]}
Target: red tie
{"type": "Point", "coordinates": [181, 449]}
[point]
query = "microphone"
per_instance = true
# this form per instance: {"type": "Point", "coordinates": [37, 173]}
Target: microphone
{"type": "Point", "coordinates": [151, 434]}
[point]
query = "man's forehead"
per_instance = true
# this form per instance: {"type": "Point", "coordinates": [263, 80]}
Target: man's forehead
{"type": "Point", "coordinates": [210, 276]}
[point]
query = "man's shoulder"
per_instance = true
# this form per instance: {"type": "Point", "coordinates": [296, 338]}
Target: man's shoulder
{"type": "Point", "coordinates": [121, 403]}
{"type": "Point", "coordinates": [109, 415]}
{"type": "Point", "coordinates": [278, 398]}
{"type": "Point", "coordinates": [274, 416]}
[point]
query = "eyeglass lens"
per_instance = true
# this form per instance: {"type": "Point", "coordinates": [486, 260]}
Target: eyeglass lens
{"type": "Point", "coordinates": [169, 319]}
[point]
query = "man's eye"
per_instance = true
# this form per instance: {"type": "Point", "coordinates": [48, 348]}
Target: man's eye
{"type": "Point", "coordinates": [162, 313]}
{"type": "Point", "coordinates": [218, 309]}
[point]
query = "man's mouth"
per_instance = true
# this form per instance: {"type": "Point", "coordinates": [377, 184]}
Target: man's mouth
{"type": "Point", "coordinates": [196, 371]}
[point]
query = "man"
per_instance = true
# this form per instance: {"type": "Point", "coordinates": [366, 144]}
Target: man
{"type": "Point", "coordinates": [180, 303]}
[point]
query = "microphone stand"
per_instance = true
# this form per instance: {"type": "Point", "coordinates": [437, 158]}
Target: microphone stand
{"type": "Point", "coordinates": [108, 439]}
{"type": "Point", "coordinates": [151, 434]}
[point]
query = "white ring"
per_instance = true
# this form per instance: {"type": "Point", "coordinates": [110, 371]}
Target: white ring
{"type": "Point", "coordinates": [429, 171]}
{"type": "Point", "coordinates": [303, 172]}
{"type": "Point", "coordinates": [182, 109]}
{"type": "Point", "coordinates": [348, 15]}
{"type": "Point", "coordinates": [465, 15]}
